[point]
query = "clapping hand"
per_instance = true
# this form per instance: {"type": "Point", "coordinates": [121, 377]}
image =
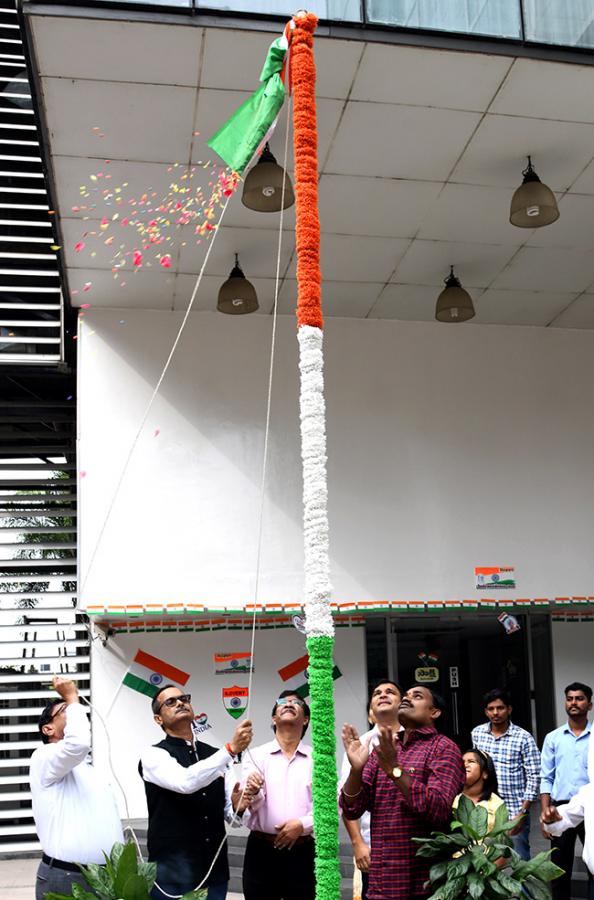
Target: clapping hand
{"type": "Point", "coordinates": [357, 752]}
{"type": "Point", "coordinates": [386, 750]}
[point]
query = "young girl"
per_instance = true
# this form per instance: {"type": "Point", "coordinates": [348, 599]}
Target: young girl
{"type": "Point", "coordinates": [481, 783]}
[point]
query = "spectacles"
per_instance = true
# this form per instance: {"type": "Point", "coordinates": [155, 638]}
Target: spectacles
{"type": "Point", "coordinates": [294, 701]}
{"type": "Point", "coordinates": [173, 701]}
{"type": "Point", "coordinates": [58, 712]}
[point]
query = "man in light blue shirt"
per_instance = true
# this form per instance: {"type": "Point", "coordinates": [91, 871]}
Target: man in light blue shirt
{"type": "Point", "coordinates": [564, 770]}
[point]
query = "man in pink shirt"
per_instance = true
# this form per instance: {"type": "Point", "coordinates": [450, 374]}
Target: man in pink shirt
{"type": "Point", "coordinates": [279, 858]}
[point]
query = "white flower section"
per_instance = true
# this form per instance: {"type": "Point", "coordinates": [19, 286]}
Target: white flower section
{"type": "Point", "coordinates": [318, 616]}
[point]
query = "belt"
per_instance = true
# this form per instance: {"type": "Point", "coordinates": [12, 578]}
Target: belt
{"type": "Point", "coordinates": [271, 838]}
{"type": "Point", "coordinates": [60, 864]}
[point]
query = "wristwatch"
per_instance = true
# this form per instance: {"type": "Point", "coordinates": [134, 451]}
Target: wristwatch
{"type": "Point", "coordinates": [396, 772]}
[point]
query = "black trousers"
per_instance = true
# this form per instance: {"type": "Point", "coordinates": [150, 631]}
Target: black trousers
{"type": "Point", "coordinates": [270, 874]}
{"type": "Point", "coordinates": [563, 853]}
{"type": "Point", "coordinates": [365, 880]}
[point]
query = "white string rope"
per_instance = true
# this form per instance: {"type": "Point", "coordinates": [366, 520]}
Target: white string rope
{"type": "Point", "coordinates": [152, 399]}
{"type": "Point", "coordinates": [264, 472]}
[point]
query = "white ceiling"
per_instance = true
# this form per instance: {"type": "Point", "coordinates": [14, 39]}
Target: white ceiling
{"type": "Point", "coordinates": [420, 151]}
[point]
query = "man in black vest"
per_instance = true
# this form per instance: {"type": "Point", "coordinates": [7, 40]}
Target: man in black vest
{"type": "Point", "coordinates": [189, 798]}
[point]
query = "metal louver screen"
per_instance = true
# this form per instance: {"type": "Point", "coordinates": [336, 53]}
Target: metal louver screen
{"type": "Point", "coordinates": [41, 632]}
{"type": "Point", "coordinates": [31, 306]}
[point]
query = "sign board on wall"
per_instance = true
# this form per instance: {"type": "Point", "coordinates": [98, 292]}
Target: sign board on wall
{"type": "Point", "coordinates": [426, 674]}
{"type": "Point", "coordinates": [494, 577]}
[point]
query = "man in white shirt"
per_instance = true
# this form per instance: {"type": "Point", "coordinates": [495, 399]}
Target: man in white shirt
{"type": "Point", "coordinates": [383, 710]}
{"type": "Point", "coordinates": [189, 796]}
{"type": "Point", "coordinates": [556, 820]}
{"type": "Point", "coordinates": [74, 810]}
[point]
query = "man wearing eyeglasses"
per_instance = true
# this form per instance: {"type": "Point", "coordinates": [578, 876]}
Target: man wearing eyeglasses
{"type": "Point", "coordinates": [279, 857]}
{"type": "Point", "coordinates": [189, 795]}
{"type": "Point", "coordinates": [74, 810]}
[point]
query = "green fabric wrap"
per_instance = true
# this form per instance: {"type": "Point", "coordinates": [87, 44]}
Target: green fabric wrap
{"type": "Point", "coordinates": [325, 779]}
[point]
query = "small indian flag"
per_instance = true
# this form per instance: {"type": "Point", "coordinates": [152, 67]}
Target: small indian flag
{"type": "Point", "coordinates": [235, 700]}
{"type": "Point", "coordinates": [231, 663]}
{"type": "Point", "coordinates": [296, 678]}
{"type": "Point", "coordinates": [148, 673]}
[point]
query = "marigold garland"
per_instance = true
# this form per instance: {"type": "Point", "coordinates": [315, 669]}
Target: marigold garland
{"type": "Point", "coordinates": [319, 626]}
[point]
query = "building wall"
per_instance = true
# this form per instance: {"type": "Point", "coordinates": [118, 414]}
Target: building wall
{"type": "Point", "coordinates": [573, 658]}
{"type": "Point", "coordinates": [130, 721]}
{"type": "Point", "coordinates": [448, 448]}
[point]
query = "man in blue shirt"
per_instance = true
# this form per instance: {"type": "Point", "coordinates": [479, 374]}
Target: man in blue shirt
{"type": "Point", "coordinates": [517, 763]}
{"type": "Point", "coordinates": [564, 770]}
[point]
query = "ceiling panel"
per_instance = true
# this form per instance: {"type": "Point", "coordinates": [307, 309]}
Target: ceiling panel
{"type": "Point", "coordinates": [131, 177]}
{"type": "Point", "coordinates": [348, 257]}
{"type": "Point", "coordinates": [522, 307]}
{"type": "Point", "coordinates": [441, 78]}
{"type": "Point", "coordinates": [412, 302]}
{"type": "Point", "coordinates": [579, 315]}
{"type": "Point", "coordinates": [475, 211]}
{"type": "Point", "coordinates": [573, 228]}
{"type": "Point", "coordinates": [548, 269]}
{"type": "Point", "coordinates": [339, 298]}
{"type": "Point", "coordinates": [118, 51]}
{"type": "Point", "coordinates": [584, 183]}
{"type": "Point", "coordinates": [547, 90]}
{"type": "Point", "coordinates": [386, 207]}
{"type": "Point", "coordinates": [476, 265]}
{"type": "Point", "coordinates": [141, 289]}
{"type": "Point", "coordinates": [139, 121]}
{"type": "Point", "coordinates": [257, 249]}
{"type": "Point", "coordinates": [399, 141]}
{"type": "Point", "coordinates": [497, 153]}
{"type": "Point", "coordinates": [336, 62]}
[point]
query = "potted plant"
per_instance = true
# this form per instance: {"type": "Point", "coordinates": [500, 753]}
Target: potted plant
{"type": "Point", "coordinates": [475, 862]}
{"type": "Point", "coordinates": [121, 878]}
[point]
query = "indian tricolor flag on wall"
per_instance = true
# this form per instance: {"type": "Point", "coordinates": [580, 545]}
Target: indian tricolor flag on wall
{"type": "Point", "coordinates": [295, 676]}
{"type": "Point", "coordinates": [147, 674]}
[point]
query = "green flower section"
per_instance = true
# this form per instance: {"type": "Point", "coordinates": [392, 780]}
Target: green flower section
{"type": "Point", "coordinates": [325, 810]}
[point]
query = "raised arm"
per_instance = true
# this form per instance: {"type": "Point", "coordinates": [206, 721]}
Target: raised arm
{"type": "Point", "coordinates": [63, 755]}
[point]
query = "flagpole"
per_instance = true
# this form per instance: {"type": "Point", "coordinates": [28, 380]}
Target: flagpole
{"type": "Point", "coordinates": [116, 695]}
{"type": "Point", "coordinates": [319, 626]}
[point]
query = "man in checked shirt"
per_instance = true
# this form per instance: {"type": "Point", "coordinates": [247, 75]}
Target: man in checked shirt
{"type": "Point", "coordinates": [517, 763]}
{"type": "Point", "coordinates": [408, 784]}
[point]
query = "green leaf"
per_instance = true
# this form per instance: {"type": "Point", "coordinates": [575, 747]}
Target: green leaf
{"type": "Point", "coordinates": [437, 871]}
{"type": "Point", "coordinates": [479, 821]}
{"type": "Point", "coordinates": [116, 853]}
{"type": "Point", "coordinates": [459, 866]}
{"type": "Point", "coordinates": [54, 896]}
{"type": "Point", "coordinates": [510, 884]}
{"type": "Point", "coordinates": [536, 889]}
{"type": "Point", "coordinates": [126, 867]}
{"type": "Point", "coordinates": [501, 816]}
{"type": "Point", "coordinates": [97, 877]}
{"type": "Point", "coordinates": [79, 893]}
{"type": "Point", "coordinates": [135, 887]}
{"type": "Point", "coordinates": [148, 870]}
{"type": "Point", "coordinates": [195, 895]}
{"type": "Point", "coordinates": [464, 810]}
{"type": "Point", "coordinates": [476, 884]}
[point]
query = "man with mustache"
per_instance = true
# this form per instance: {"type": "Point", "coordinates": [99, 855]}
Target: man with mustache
{"type": "Point", "coordinates": [408, 784]}
{"type": "Point", "coordinates": [189, 796]}
{"type": "Point", "coordinates": [564, 770]}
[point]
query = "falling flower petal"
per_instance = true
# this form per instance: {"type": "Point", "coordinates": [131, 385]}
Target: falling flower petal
{"type": "Point", "coordinates": [87, 286]}
{"type": "Point", "coordinates": [137, 258]}
{"type": "Point", "coordinates": [166, 261]}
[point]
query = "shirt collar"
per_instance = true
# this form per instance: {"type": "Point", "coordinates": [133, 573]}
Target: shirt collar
{"type": "Point", "coordinates": [426, 731]}
{"type": "Point", "coordinates": [587, 729]}
{"type": "Point", "coordinates": [509, 730]}
{"type": "Point", "coordinates": [302, 749]}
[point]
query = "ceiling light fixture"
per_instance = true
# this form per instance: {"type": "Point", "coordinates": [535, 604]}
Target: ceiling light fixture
{"type": "Point", "coordinates": [454, 304]}
{"type": "Point", "coordinates": [263, 188]}
{"type": "Point", "coordinates": [237, 296]}
{"type": "Point", "coordinates": [533, 204]}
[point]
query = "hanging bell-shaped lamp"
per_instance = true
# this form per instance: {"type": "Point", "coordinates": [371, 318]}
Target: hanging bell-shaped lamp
{"type": "Point", "coordinates": [454, 304]}
{"type": "Point", "coordinates": [237, 296]}
{"type": "Point", "coordinates": [263, 188]}
{"type": "Point", "coordinates": [533, 204]}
